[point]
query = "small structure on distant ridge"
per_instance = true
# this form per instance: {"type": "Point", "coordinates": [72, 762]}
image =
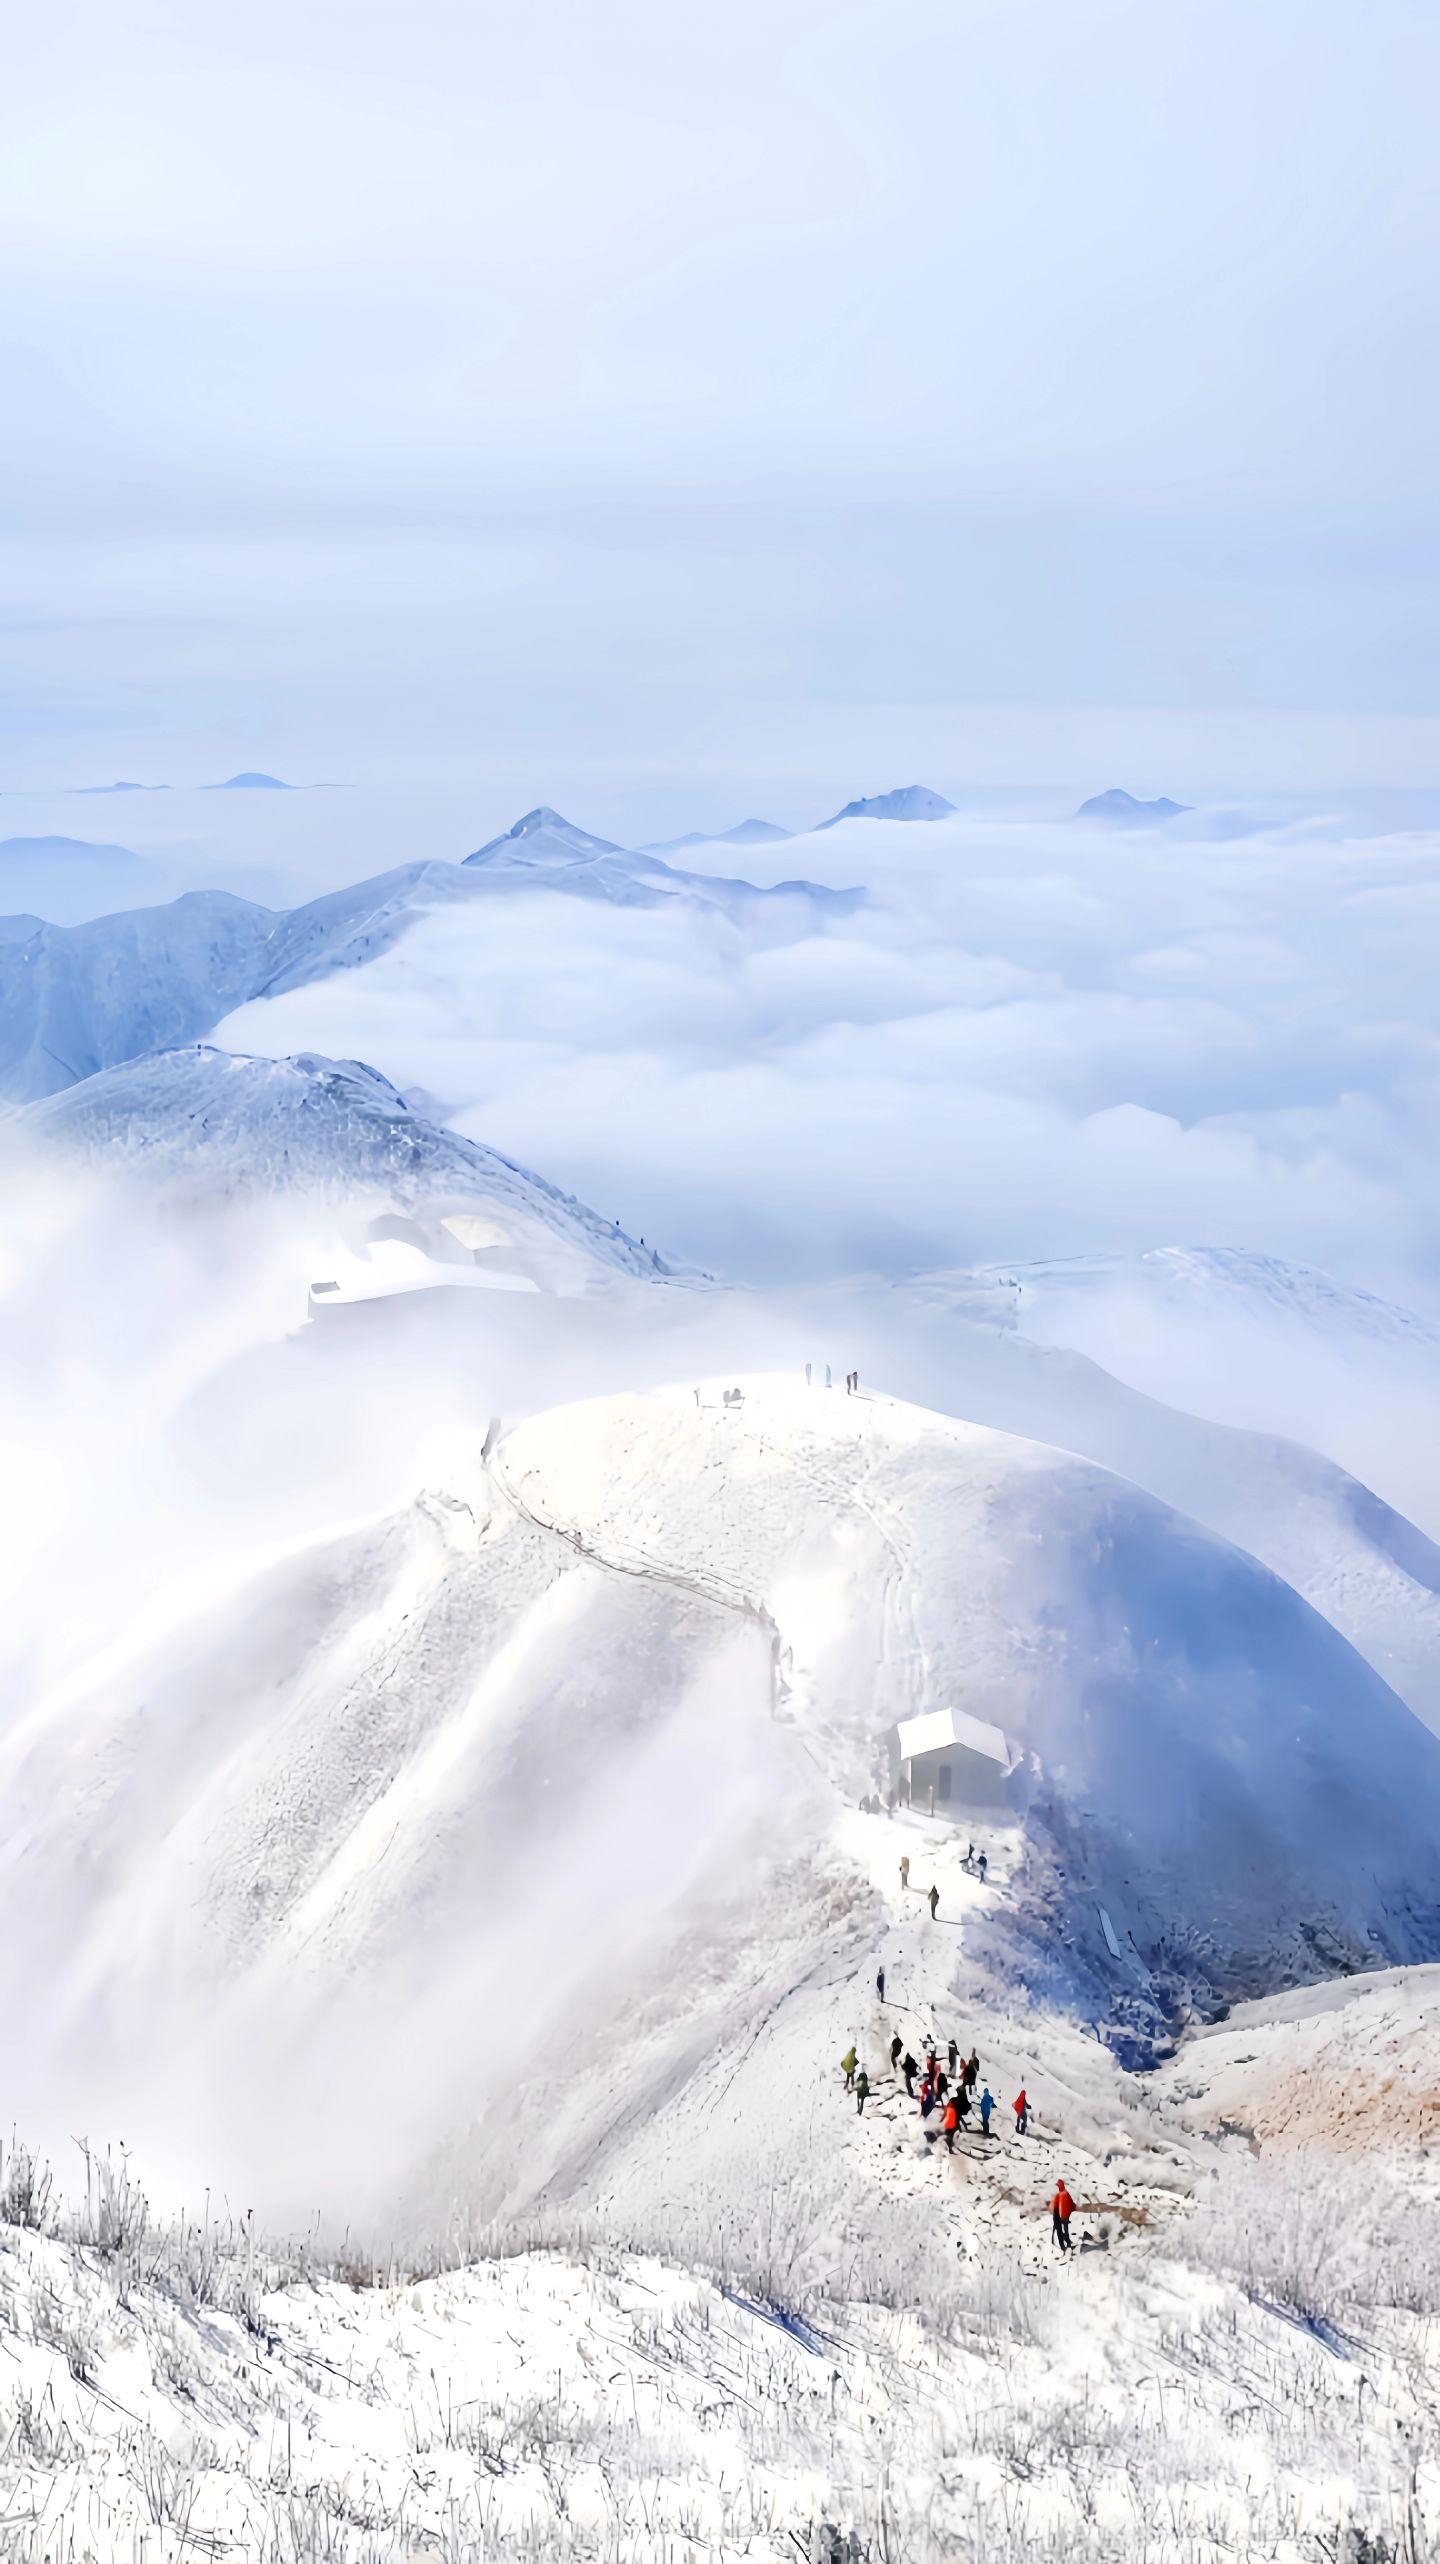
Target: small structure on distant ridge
{"type": "Point", "coordinates": [949, 1758]}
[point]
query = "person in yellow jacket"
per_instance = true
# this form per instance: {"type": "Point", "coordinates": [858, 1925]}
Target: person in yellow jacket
{"type": "Point", "coordinates": [847, 2068]}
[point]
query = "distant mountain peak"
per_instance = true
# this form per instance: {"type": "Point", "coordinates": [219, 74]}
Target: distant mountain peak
{"type": "Point", "coordinates": [907, 801]}
{"type": "Point", "coordinates": [252, 783]}
{"type": "Point", "coordinates": [1119, 809]}
{"type": "Point", "coordinates": [545, 836]}
{"type": "Point", "coordinates": [87, 791]}
{"type": "Point", "coordinates": [747, 832]}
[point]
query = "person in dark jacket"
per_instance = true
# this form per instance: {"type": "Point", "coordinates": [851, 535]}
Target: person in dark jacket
{"type": "Point", "coordinates": [972, 2070]}
{"type": "Point", "coordinates": [934, 1902]}
{"type": "Point", "coordinates": [880, 1983]}
{"type": "Point", "coordinates": [896, 2044]}
{"type": "Point", "coordinates": [952, 2055]}
{"type": "Point", "coordinates": [862, 2090]}
{"type": "Point", "coordinates": [909, 2069]}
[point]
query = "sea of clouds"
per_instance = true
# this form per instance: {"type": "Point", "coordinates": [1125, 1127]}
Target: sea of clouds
{"type": "Point", "coordinates": [1036, 1039]}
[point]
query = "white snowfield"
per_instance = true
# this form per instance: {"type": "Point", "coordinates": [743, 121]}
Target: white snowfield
{"type": "Point", "coordinates": [335, 1847]}
{"type": "Point", "coordinates": [1250, 1340]}
{"type": "Point", "coordinates": [501, 1857]}
{"type": "Point", "coordinates": [215, 1124]}
{"type": "Point", "coordinates": [1210, 1760]}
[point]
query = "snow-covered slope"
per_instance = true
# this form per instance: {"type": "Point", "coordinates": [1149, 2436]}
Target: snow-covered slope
{"type": "Point", "coordinates": [1248, 1340]}
{"type": "Point", "coordinates": [1215, 1762]}
{"type": "Point", "coordinates": [559, 1745]}
{"type": "Point", "coordinates": [77, 999]}
{"type": "Point", "coordinates": [1351, 2067]}
{"type": "Point", "coordinates": [1361, 1564]}
{"type": "Point", "coordinates": [73, 1000]}
{"type": "Point", "coordinates": [211, 1124]}
{"type": "Point", "coordinates": [907, 801]}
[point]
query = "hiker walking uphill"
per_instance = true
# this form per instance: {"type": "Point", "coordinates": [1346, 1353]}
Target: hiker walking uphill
{"type": "Point", "coordinates": [987, 2104]}
{"type": "Point", "coordinates": [1062, 2209]}
{"type": "Point", "coordinates": [896, 2044]}
{"type": "Point", "coordinates": [949, 2124]}
{"type": "Point", "coordinates": [909, 2069]}
{"type": "Point", "coordinates": [1021, 2108]}
{"type": "Point", "coordinates": [862, 2091]}
{"type": "Point", "coordinates": [880, 1983]}
{"type": "Point", "coordinates": [847, 2068]}
{"type": "Point", "coordinates": [934, 1902]}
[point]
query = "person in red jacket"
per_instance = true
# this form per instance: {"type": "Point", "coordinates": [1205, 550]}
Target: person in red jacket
{"type": "Point", "coordinates": [950, 2123]}
{"type": "Point", "coordinates": [1062, 2209]}
{"type": "Point", "coordinates": [1021, 2107]}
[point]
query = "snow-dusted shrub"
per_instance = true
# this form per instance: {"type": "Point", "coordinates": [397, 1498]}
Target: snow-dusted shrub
{"type": "Point", "coordinates": [1324, 2239]}
{"type": "Point", "coordinates": [26, 2181]}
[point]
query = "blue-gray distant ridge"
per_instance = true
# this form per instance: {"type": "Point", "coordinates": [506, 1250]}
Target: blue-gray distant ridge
{"type": "Point", "coordinates": [1117, 809]}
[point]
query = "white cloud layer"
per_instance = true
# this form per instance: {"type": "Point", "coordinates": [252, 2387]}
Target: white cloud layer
{"type": "Point", "coordinates": [1037, 1040]}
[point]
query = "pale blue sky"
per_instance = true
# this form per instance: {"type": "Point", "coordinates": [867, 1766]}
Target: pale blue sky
{"type": "Point", "coordinates": [747, 406]}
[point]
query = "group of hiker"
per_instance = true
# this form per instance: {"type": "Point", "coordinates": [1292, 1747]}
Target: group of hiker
{"type": "Point", "coordinates": [977, 1865]}
{"type": "Point", "coordinates": [949, 2087]}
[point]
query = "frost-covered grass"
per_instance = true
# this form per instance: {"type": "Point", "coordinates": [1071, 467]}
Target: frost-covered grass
{"type": "Point", "coordinates": [822, 2370]}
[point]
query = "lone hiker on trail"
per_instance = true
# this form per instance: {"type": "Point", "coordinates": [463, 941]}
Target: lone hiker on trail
{"type": "Point", "coordinates": [982, 1865]}
{"type": "Point", "coordinates": [862, 2091]}
{"type": "Point", "coordinates": [1062, 2209]}
{"type": "Point", "coordinates": [987, 2104]}
{"type": "Point", "coordinates": [880, 1983]}
{"type": "Point", "coordinates": [1021, 2108]}
{"type": "Point", "coordinates": [847, 2067]}
{"type": "Point", "coordinates": [904, 1869]}
{"type": "Point", "coordinates": [934, 1902]}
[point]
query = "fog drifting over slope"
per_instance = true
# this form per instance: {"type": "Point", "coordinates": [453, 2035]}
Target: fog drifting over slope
{"type": "Point", "coordinates": [1037, 1039]}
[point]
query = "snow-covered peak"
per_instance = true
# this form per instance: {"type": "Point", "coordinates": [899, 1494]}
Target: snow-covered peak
{"type": "Point", "coordinates": [907, 801]}
{"type": "Point", "coordinates": [542, 837]}
{"type": "Point", "coordinates": [206, 1123]}
{"type": "Point", "coordinates": [1117, 809]}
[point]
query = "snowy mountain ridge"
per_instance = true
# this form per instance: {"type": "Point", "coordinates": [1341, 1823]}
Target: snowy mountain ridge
{"type": "Point", "coordinates": [213, 1124]}
{"type": "Point", "coordinates": [81, 998]}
